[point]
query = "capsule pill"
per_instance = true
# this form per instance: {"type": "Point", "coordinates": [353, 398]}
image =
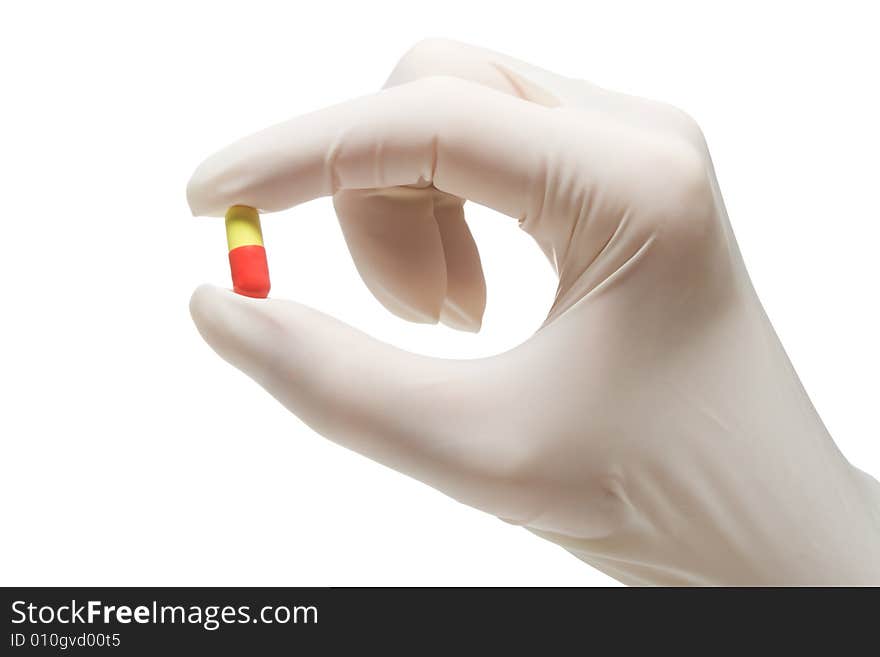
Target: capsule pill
{"type": "Point", "coordinates": [247, 255]}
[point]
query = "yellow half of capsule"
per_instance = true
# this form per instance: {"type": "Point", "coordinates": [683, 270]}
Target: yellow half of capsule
{"type": "Point", "coordinates": [243, 227]}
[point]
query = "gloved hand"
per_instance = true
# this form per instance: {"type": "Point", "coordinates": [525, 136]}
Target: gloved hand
{"type": "Point", "coordinates": [653, 426]}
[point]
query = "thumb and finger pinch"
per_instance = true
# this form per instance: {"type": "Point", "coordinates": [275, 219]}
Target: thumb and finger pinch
{"type": "Point", "coordinates": [419, 415]}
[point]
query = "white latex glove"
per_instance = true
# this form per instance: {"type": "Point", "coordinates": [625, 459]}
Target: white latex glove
{"type": "Point", "coordinates": [653, 426]}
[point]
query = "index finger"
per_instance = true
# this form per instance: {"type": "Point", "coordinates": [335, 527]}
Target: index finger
{"type": "Point", "coordinates": [463, 138]}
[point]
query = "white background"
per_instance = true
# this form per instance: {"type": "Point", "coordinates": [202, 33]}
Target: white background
{"type": "Point", "coordinates": [131, 454]}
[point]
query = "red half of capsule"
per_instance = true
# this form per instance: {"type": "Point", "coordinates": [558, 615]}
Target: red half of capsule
{"type": "Point", "coordinates": [250, 271]}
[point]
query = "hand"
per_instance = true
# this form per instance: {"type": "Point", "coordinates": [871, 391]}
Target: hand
{"type": "Point", "coordinates": [653, 426]}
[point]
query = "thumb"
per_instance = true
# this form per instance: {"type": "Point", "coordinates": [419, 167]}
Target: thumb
{"type": "Point", "coordinates": [413, 413]}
